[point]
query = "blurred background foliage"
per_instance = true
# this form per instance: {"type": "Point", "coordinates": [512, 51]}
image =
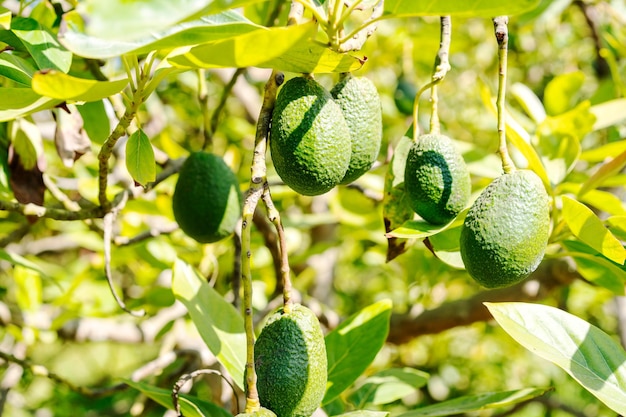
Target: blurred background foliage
{"type": "Point", "coordinates": [56, 308]}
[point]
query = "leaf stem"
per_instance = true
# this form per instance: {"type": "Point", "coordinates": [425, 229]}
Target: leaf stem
{"type": "Point", "coordinates": [258, 184]}
{"type": "Point", "coordinates": [500, 25]}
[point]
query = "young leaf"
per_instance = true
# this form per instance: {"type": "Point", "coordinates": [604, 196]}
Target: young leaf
{"type": "Point", "coordinates": [353, 345]}
{"type": "Point", "coordinates": [478, 402]}
{"type": "Point", "coordinates": [219, 323]}
{"type": "Point", "coordinates": [189, 406]}
{"type": "Point", "coordinates": [41, 44]}
{"type": "Point", "coordinates": [606, 171]}
{"type": "Point", "coordinates": [61, 86]}
{"type": "Point", "coordinates": [587, 227]}
{"type": "Point", "coordinates": [481, 8]}
{"type": "Point", "coordinates": [585, 352]}
{"type": "Point", "coordinates": [388, 386]}
{"type": "Point", "coordinates": [140, 158]}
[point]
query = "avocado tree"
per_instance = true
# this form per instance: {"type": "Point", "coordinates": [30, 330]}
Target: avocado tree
{"type": "Point", "coordinates": [294, 208]}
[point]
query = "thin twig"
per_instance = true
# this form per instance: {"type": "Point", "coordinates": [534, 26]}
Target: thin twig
{"type": "Point", "coordinates": [355, 40]}
{"type": "Point", "coordinates": [441, 68]}
{"type": "Point", "coordinates": [501, 30]}
{"type": "Point", "coordinates": [183, 380]}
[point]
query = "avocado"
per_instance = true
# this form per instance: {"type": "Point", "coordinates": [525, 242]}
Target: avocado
{"type": "Point", "coordinates": [261, 412]}
{"type": "Point", "coordinates": [436, 179]}
{"type": "Point", "coordinates": [505, 233]}
{"type": "Point", "coordinates": [361, 107]}
{"type": "Point", "coordinates": [290, 362]}
{"type": "Point", "coordinates": [309, 138]}
{"type": "Point", "coordinates": [207, 199]}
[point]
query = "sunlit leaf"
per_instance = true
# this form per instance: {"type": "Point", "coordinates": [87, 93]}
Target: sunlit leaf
{"type": "Point", "coordinates": [585, 352]}
{"type": "Point", "coordinates": [389, 385]}
{"type": "Point", "coordinates": [364, 413]}
{"type": "Point", "coordinates": [205, 29]}
{"type": "Point", "coordinates": [587, 227]}
{"type": "Point", "coordinates": [61, 86]}
{"type": "Point", "coordinates": [189, 406]}
{"type": "Point", "coordinates": [529, 101]}
{"type": "Point", "coordinates": [140, 158]}
{"type": "Point", "coordinates": [604, 201]}
{"type": "Point", "coordinates": [42, 45]}
{"type": "Point", "coordinates": [481, 8]}
{"type": "Point", "coordinates": [419, 229]}
{"type": "Point", "coordinates": [15, 68]}
{"type": "Point", "coordinates": [562, 91]}
{"type": "Point", "coordinates": [608, 169]}
{"type": "Point", "coordinates": [617, 225]}
{"type": "Point", "coordinates": [609, 113]}
{"type": "Point", "coordinates": [477, 402]}
{"type": "Point", "coordinates": [19, 102]}
{"type": "Point", "coordinates": [600, 153]}
{"type": "Point", "coordinates": [219, 323]}
{"type": "Point", "coordinates": [352, 346]}
{"type": "Point", "coordinates": [596, 268]}
{"type": "Point", "coordinates": [5, 18]}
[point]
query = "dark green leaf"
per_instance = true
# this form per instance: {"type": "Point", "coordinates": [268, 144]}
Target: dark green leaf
{"type": "Point", "coordinates": [140, 158]}
{"type": "Point", "coordinates": [354, 344]}
{"type": "Point", "coordinates": [585, 352]}
{"type": "Point", "coordinates": [219, 323]}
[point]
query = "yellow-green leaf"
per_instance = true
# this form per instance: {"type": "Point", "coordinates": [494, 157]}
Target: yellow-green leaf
{"type": "Point", "coordinates": [587, 227]}
{"type": "Point", "coordinates": [61, 86]}
{"type": "Point", "coordinates": [140, 158]}
{"type": "Point", "coordinates": [607, 170]}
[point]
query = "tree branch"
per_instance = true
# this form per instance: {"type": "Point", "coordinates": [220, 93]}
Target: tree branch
{"type": "Point", "coordinates": [551, 275]}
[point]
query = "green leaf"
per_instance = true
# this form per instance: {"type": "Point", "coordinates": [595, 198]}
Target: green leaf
{"type": "Point", "coordinates": [585, 352]}
{"type": "Point", "coordinates": [140, 158]}
{"type": "Point", "coordinates": [529, 101]}
{"type": "Point", "coordinates": [205, 29]}
{"type": "Point", "coordinates": [479, 8]}
{"type": "Point", "coordinates": [477, 402]}
{"type": "Point", "coordinates": [288, 48]}
{"type": "Point", "coordinates": [596, 268]}
{"type": "Point", "coordinates": [587, 227]}
{"type": "Point", "coordinates": [617, 225]}
{"type": "Point", "coordinates": [219, 323]}
{"type": "Point", "coordinates": [607, 170]}
{"type": "Point", "coordinates": [189, 406]}
{"type": "Point", "coordinates": [119, 19]}
{"type": "Point", "coordinates": [5, 18]}
{"type": "Point", "coordinates": [604, 201]}
{"type": "Point", "coordinates": [41, 44]}
{"type": "Point", "coordinates": [419, 229]}
{"type": "Point", "coordinates": [609, 113]}
{"type": "Point", "coordinates": [96, 121]}
{"type": "Point", "coordinates": [15, 68]}
{"type": "Point", "coordinates": [562, 91]}
{"type": "Point", "coordinates": [20, 102]}
{"type": "Point", "coordinates": [389, 385]}
{"type": "Point", "coordinates": [16, 259]}
{"type": "Point", "coordinates": [600, 153]}
{"type": "Point", "coordinates": [61, 86]}
{"type": "Point", "coordinates": [364, 413]}
{"type": "Point", "coordinates": [353, 345]}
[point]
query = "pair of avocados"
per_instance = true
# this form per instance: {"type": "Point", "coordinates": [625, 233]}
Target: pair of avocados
{"type": "Point", "coordinates": [505, 232]}
{"type": "Point", "coordinates": [322, 138]}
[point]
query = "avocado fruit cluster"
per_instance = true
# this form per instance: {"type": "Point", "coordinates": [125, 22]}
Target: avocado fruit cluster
{"type": "Point", "coordinates": [290, 362]}
{"type": "Point", "coordinates": [207, 199]}
{"type": "Point", "coordinates": [505, 232]}
{"type": "Point", "coordinates": [436, 179]}
{"type": "Point", "coordinates": [319, 139]}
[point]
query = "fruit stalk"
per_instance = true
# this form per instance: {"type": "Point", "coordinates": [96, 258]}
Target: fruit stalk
{"type": "Point", "coordinates": [258, 183]}
{"type": "Point", "coordinates": [500, 25]}
{"type": "Point", "coordinates": [441, 68]}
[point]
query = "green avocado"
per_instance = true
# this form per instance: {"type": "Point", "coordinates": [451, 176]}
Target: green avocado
{"type": "Point", "coordinates": [505, 233]}
{"type": "Point", "coordinates": [290, 362]}
{"type": "Point", "coordinates": [436, 179]}
{"type": "Point", "coordinates": [361, 107]}
{"type": "Point", "coordinates": [309, 138]}
{"type": "Point", "coordinates": [262, 412]}
{"type": "Point", "coordinates": [207, 199]}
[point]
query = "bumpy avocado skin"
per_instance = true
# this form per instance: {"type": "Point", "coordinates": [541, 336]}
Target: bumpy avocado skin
{"type": "Point", "coordinates": [506, 230]}
{"type": "Point", "coordinates": [290, 361]}
{"type": "Point", "coordinates": [436, 179]}
{"type": "Point", "coordinates": [309, 138]}
{"type": "Point", "coordinates": [361, 107]}
{"type": "Point", "coordinates": [207, 199]}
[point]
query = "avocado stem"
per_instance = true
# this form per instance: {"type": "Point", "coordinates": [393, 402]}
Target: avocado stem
{"type": "Point", "coordinates": [440, 69]}
{"type": "Point", "coordinates": [258, 185]}
{"type": "Point", "coordinates": [502, 36]}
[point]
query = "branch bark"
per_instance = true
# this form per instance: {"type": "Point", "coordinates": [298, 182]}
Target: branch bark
{"type": "Point", "coordinates": [550, 276]}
